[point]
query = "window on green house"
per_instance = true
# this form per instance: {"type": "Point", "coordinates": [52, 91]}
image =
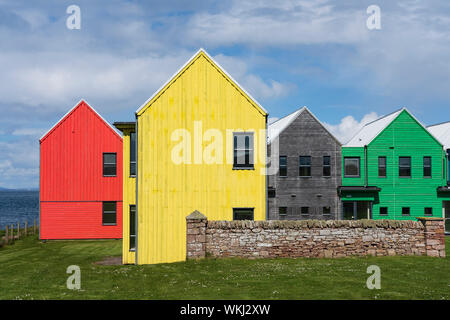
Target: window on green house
{"type": "Point", "coordinates": [304, 166]}
{"type": "Point", "coordinates": [383, 211]}
{"type": "Point", "coordinates": [427, 167]}
{"type": "Point", "coordinates": [406, 211]}
{"type": "Point", "coordinates": [242, 213]}
{"type": "Point", "coordinates": [351, 167]}
{"type": "Point", "coordinates": [132, 153]}
{"type": "Point", "coordinates": [283, 166]}
{"type": "Point", "coordinates": [132, 227]}
{"type": "Point", "coordinates": [282, 211]}
{"type": "Point", "coordinates": [326, 169]}
{"type": "Point", "coordinates": [429, 211]}
{"type": "Point", "coordinates": [382, 166]}
{"type": "Point", "coordinates": [404, 167]}
{"type": "Point", "coordinates": [243, 150]}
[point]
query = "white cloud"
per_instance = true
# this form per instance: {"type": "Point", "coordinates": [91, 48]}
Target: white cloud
{"type": "Point", "coordinates": [29, 132]}
{"type": "Point", "coordinates": [349, 126]}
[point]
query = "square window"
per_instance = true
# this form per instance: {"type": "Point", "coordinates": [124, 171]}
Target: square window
{"type": "Point", "coordinates": [429, 211]}
{"type": "Point", "coordinates": [282, 211]}
{"type": "Point", "coordinates": [405, 211]}
{"type": "Point", "coordinates": [326, 210]}
{"type": "Point", "coordinates": [351, 167]}
{"type": "Point", "coordinates": [304, 210]}
{"type": "Point", "coordinates": [383, 211]}
{"type": "Point", "coordinates": [243, 213]}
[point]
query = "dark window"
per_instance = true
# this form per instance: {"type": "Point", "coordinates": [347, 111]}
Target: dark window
{"type": "Point", "coordinates": [326, 210]}
{"type": "Point", "coordinates": [382, 166]}
{"type": "Point", "coordinates": [427, 167]}
{"type": "Point", "coordinates": [243, 150]}
{"type": "Point", "coordinates": [109, 164]}
{"type": "Point", "coordinates": [282, 211]}
{"type": "Point", "coordinates": [109, 213]}
{"type": "Point", "coordinates": [271, 192]}
{"type": "Point", "coordinates": [326, 166]}
{"type": "Point", "coordinates": [351, 166]}
{"type": "Point", "coordinates": [132, 227]}
{"type": "Point", "coordinates": [304, 210]}
{"type": "Point", "coordinates": [383, 211]}
{"type": "Point", "coordinates": [283, 166]}
{"type": "Point", "coordinates": [305, 166]}
{"type": "Point", "coordinates": [242, 213]}
{"type": "Point", "coordinates": [405, 211]}
{"type": "Point", "coordinates": [404, 166]}
{"type": "Point", "coordinates": [429, 211]}
{"type": "Point", "coordinates": [132, 153]}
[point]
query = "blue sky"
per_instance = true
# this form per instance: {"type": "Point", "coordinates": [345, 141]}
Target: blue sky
{"type": "Point", "coordinates": [287, 54]}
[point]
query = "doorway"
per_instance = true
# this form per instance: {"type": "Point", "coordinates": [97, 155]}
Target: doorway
{"type": "Point", "coordinates": [354, 210]}
{"type": "Point", "coordinates": [446, 215]}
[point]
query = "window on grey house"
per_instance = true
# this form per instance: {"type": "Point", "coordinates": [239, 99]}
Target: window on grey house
{"type": "Point", "coordinates": [132, 153]}
{"type": "Point", "coordinates": [383, 211]}
{"type": "Point", "coordinates": [243, 150]}
{"type": "Point", "coordinates": [326, 166]}
{"type": "Point", "coordinates": [109, 213]}
{"type": "Point", "coordinates": [429, 211]}
{"type": "Point", "coordinates": [304, 166]}
{"type": "Point", "coordinates": [404, 166]}
{"type": "Point", "coordinates": [282, 211]}
{"type": "Point", "coordinates": [304, 210]}
{"type": "Point", "coordinates": [109, 164]}
{"type": "Point", "coordinates": [132, 227]}
{"type": "Point", "coordinates": [406, 211]}
{"type": "Point", "coordinates": [427, 167]}
{"type": "Point", "coordinates": [326, 210]}
{"type": "Point", "coordinates": [382, 166]}
{"type": "Point", "coordinates": [243, 213]}
{"type": "Point", "coordinates": [283, 166]}
{"type": "Point", "coordinates": [351, 167]}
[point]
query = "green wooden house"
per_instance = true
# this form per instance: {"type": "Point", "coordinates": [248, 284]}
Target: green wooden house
{"type": "Point", "coordinates": [393, 168]}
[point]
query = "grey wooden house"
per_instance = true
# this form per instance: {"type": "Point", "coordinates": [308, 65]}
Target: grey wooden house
{"type": "Point", "coordinates": [305, 169]}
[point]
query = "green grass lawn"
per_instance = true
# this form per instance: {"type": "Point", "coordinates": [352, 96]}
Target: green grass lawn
{"type": "Point", "coordinates": [33, 270]}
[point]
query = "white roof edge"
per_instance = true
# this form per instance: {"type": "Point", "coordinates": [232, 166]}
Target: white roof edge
{"type": "Point", "coordinates": [278, 132]}
{"type": "Point", "coordinates": [184, 65]}
{"type": "Point", "coordinates": [399, 111]}
{"type": "Point", "coordinates": [71, 109]}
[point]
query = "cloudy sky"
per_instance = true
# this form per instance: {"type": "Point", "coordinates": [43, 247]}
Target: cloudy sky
{"type": "Point", "coordinates": [287, 54]}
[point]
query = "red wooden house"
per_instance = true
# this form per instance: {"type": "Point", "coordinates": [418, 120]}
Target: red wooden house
{"type": "Point", "coordinates": [81, 178]}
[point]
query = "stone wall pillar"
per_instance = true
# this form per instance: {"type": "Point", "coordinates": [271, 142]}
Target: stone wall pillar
{"type": "Point", "coordinates": [196, 235]}
{"type": "Point", "coordinates": [434, 236]}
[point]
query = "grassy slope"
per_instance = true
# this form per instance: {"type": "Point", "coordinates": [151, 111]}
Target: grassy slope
{"type": "Point", "coordinates": [34, 270]}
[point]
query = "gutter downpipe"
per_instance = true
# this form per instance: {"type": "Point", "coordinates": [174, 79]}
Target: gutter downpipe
{"type": "Point", "coordinates": [365, 166]}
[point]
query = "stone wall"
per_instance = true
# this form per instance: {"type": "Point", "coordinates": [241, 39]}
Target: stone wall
{"type": "Point", "coordinates": [313, 238]}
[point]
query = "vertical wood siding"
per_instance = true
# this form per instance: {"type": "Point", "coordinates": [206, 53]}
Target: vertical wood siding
{"type": "Point", "coordinates": [71, 171]}
{"type": "Point", "coordinates": [168, 192]}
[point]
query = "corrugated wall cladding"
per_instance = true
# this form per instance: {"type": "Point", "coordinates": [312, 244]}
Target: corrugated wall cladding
{"type": "Point", "coordinates": [77, 220]}
{"type": "Point", "coordinates": [403, 137]}
{"type": "Point", "coordinates": [72, 159]}
{"type": "Point", "coordinates": [129, 198]}
{"type": "Point", "coordinates": [168, 192]}
{"type": "Point", "coordinates": [71, 177]}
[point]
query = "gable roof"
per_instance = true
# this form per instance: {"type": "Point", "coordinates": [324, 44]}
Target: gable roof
{"type": "Point", "coordinates": [280, 125]}
{"type": "Point", "coordinates": [442, 132]}
{"type": "Point", "coordinates": [200, 53]}
{"type": "Point", "coordinates": [372, 129]}
{"type": "Point", "coordinates": [76, 106]}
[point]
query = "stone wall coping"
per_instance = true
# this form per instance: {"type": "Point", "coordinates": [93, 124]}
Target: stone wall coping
{"type": "Point", "coordinates": [196, 215]}
{"type": "Point", "coordinates": [310, 224]}
{"type": "Point", "coordinates": [429, 219]}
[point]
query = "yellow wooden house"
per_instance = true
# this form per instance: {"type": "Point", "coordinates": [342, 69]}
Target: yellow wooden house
{"type": "Point", "coordinates": [201, 145]}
